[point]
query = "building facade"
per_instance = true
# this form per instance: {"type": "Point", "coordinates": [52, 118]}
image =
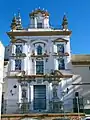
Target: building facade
{"type": "Point", "coordinates": [40, 75]}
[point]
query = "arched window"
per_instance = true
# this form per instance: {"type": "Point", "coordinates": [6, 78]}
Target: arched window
{"type": "Point", "coordinates": [39, 50]}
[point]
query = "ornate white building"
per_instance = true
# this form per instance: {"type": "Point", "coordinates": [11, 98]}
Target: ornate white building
{"type": "Point", "coordinates": [39, 76]}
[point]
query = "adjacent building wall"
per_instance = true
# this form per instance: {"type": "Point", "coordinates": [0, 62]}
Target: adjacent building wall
{"type": "Point", "coordinates": [81, 66]}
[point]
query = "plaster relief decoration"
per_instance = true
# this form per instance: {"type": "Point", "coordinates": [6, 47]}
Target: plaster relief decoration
{"type": "Point", "coordinates": [24, 86]}
{"type": "Point", "coordinates": [56, 104]}
{"type": "Point", "coordinates": [24, 97]}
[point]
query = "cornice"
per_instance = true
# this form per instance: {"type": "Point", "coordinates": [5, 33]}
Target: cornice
{"type": "Point", "coordinates": [60, 40]}
{"type": "Point", "coordinates": [39, 33]}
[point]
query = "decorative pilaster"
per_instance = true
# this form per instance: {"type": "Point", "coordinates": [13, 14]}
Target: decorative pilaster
{"type": "Point", "coordinates": [35, 22]}
{"type": "Point", "coordinates": [13, 49]}
{"type": "Point", "coordinates": [23, 97]}
{"type": "Point", "coordinates": [12, 62]}
{"type": "Point", "coordinates": [55, 88]}
{"type": "Point", "coordinates": [55, 104]}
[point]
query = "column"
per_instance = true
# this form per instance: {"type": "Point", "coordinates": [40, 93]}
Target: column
{"type": "Point", "coordinates": [20, 93]}
{"type": "Point", "coordinates": [13, 49]}
{"type": "Point", "coordinates": [25, 49]}
{"type": "Point", "coordinates": [55, 64]}
{"type": "Point", "coordinates": [32, 96]}
{"type": "Point", "coordinates": [12, 64]}
{"type": "Point", "coordinates": [54, 48]}
{"type": "Point", "coordinates": [55, 100]}
{"type": "Point", "coordinates": [35, 22]}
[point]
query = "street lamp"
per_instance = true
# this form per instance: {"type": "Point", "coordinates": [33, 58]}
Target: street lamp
{"type": "Point", "coordinates": [77, 99]}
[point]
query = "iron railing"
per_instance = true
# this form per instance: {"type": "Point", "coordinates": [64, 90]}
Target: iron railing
{"type": "Point", "coordinates": [54, 106]}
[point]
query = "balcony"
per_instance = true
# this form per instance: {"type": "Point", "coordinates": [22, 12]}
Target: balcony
{"type": "Point", "coordinates": [39, 56]}
{"type": "Point", "coordinates": [13, 107]}
{"type": "Point", "coordinates": [16, 73]}
{"type": "Point", "coordinates": [49, 75]}
{"type": "Point", "coordinates": [18, 55]}
{"type": "Point", "coordinates": [61, 54]}
{"type": "Point", "coordinates": [54, 106]}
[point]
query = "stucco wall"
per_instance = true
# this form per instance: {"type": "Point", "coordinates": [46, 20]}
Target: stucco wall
{"type": "Point", "coordinates": [1, 71]}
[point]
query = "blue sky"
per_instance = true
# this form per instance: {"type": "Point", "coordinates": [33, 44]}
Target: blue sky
{"type": "Point", "coordinates": [77, 11]}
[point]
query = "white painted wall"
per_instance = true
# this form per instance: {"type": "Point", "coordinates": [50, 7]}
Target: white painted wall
{"type": "Point", "coordinates": [28, 65]}
{"type": "Point", "coordinates": [41, 19]}
{"type": "Point", "coordinates": [1, 71]}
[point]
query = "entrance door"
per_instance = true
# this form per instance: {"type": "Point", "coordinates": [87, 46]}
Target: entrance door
{"type": "Point", "coordinates": [39, 97]}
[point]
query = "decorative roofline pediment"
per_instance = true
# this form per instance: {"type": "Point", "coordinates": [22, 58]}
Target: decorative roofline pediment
{"type": "Point", "coordinates": [39, 41]}
{"type": "Point", "coordinates": [18, 41]}
{"type": "Point", "coordinates": [43, 12]}
{"type": "Point", "coordinates": [60, 40]}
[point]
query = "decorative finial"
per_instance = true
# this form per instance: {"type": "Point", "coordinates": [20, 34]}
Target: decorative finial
{"type": "Point", "coordinates": [65, 22]}
{"type": "Point", "coordinates": [39, 7]}
{"type": "Point", "coordinates": [19, 13]}
{"type": "Point", "coordinates": [19, 24]}
{"type": "Point", "coordinates": [35, 8]}
{"type": "Point", "coordinates": [43, 8]}
{"type": "Point", "coordinates": [14, 23]}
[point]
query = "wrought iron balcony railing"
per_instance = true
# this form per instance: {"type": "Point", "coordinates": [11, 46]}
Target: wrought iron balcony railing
{"type": "Point", "coordinates": [54, 106]}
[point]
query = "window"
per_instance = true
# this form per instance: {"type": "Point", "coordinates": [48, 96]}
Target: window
{"type": "Point", "coordinates": [39, 25]}
{"type": "Point", "coordinates": [39, 50]}
{"type": "Point", "coordinates": [60, 48]}
{"type": "Point", "coordinates": [17, 64]}
{"type": "Point", "coordinates": [39, 67]}
{"type": "Point", "coordinates": [39, 97]}
{"type": "Point", "coordinates": [18, 48]}
{"type": "Point", "coordinates": [24, 93]}
{"type": "Point", "coordinates": [61, 64]}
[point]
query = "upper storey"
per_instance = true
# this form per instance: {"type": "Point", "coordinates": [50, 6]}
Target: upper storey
{"type": "Point", "coordinates": [39, 22]}
{"type": "Point", "coordinates": [39, 19]}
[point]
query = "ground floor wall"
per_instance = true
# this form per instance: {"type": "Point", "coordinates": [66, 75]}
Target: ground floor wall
{"type": "Point", "coordinates": [22, 91]}
{"type": "Point", "coordinates": [59, 95]}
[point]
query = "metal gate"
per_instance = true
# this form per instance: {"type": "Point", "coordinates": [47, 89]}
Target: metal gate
{"type": "Point", "coordinates": [39, 97]}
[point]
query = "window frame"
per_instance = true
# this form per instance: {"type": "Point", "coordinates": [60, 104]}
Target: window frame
{"type": "Point", "coordinates": [18, 67]}
{"type": "Point", "coordinates": [39, 25]}
{"type": "Point", "coordinates": [41, 72]}
{"type": "Point", "coordinates": [61, 66]}
{"type": "Point", "coordinates": [19, 50]}
{"type": "Point", "coordinates": [39, 50]}
{"type": "Point", "coordinates": [58, 48]}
